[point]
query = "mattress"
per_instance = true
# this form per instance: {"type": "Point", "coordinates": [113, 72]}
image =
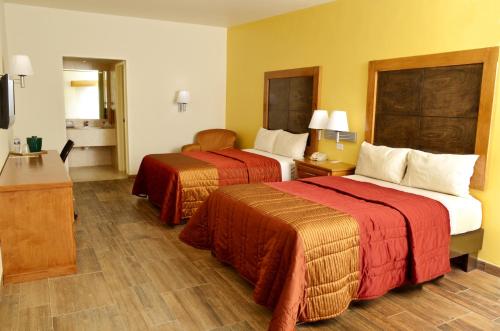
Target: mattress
{"type": "Point", "coordinates": [465, 212]}
{"type": "Point", "coordinates": [287, 164]}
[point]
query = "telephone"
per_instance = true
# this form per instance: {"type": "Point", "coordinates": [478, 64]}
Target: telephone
{"type": "Point", "coordinates": [318, 156]}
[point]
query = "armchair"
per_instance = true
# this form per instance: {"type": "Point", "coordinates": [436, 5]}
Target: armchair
{"type": "Point", "coordinates": [210, 140]}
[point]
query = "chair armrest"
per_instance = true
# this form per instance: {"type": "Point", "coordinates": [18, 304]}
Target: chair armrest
{"type": "Point", "coordinates": [191, 148]}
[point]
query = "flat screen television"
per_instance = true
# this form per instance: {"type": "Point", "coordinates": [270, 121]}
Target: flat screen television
{"type": "Point", "coordinates": [7, 104]}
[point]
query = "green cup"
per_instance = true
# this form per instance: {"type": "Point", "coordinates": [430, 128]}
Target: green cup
{"type": "Point", "coordinates": [34, 144]}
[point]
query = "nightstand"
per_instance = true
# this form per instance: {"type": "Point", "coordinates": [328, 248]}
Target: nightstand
{"type": "Point", "coordinates": [309, 168]}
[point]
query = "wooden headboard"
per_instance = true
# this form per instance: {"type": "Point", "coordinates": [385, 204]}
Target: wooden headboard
{"type": "Point", "coordinates": [439, 103]}
{"type": "Point", "coordinates": [290, 97]}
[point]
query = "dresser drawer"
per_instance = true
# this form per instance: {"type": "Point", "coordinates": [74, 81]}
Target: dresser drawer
{"type": "Point", "coordinates": [303, 171]}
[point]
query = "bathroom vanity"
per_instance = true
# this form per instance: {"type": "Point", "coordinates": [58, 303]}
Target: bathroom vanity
{"type": "Point", "coordinates": [94, 146]}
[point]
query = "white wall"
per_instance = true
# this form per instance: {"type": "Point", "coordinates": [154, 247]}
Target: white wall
{"type": "Point", "coordinates": [162, 57]}
{"type": "Point", "coordinates": [5, 135]}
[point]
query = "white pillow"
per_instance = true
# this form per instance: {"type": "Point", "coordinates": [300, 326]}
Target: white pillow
{"type": "Point", "coordinates": [382, 162]}
{"type": "Point", "coordinates": [446, 173]}
{"type": "Point", "coordinates": [265, 139]}
{"type": "Point", "coordinates": [291, 145]}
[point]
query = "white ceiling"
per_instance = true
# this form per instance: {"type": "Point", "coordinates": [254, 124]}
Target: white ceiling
{"type": "Point", "coordinates": [208, 12]}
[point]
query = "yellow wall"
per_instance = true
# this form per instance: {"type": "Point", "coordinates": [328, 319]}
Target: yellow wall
{"type": "Point", "coordinates": [342, 37]}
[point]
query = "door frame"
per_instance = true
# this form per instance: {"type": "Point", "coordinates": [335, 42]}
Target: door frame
{"type": "Point", "coordinates": [122, 116]}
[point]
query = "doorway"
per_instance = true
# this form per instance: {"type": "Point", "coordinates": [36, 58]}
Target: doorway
{"type": "Point", "coordinates": [96, 118]}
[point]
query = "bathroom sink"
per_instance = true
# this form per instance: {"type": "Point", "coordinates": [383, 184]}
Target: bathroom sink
{"type": "Point", "coordinates": [92, 136]}
{"type": "Point", "coordinates": [89, 128]}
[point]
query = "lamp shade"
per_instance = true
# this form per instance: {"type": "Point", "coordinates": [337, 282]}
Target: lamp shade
{"type": "Point", "coordinates": [20, 65]}
{"type": "Point", "coordinates": [338, 121]}
{"type": "Point", "coordinates": [183, 96]}
{"type": "Point", "coordinates": [319, 120]}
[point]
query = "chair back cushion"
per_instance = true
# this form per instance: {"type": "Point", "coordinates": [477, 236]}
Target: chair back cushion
{"type": "Point", "coordinates": [67, 149]}
{"type": "Point", "coordinates": [215, 139]}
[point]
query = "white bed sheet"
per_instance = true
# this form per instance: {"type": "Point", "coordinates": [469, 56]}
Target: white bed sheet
{"type": "Point", "coordinates": [465, 212]}
{"type": "Point", "coordinates": [287, 164]}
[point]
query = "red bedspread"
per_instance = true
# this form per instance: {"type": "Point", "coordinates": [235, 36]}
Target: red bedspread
{"type": "Point", "coordinates": [288, 239]}
{"type": "Point", "coordinates": [179, 182]}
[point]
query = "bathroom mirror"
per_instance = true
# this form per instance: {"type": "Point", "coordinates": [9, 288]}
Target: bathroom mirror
{"type": "Point", "coordinates": [85, 94]}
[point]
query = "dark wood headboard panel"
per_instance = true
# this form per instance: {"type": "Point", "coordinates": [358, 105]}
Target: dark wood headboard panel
{"type": "Point", "coordinates": [290, 97]}
{"type": "Point", "coordinates": [439, 103]}
{"type": "Point", "coordinates": [430, 109]}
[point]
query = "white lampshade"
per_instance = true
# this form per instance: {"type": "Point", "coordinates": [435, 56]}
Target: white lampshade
{"type": "Point", "coordinates": [319, 120]}
{"type": "Point", "coordinates": [338, 121]}
{"type": "Point", "coordinates": [183, 96]}
{"type": "Point", "coordinates": [20, 65]}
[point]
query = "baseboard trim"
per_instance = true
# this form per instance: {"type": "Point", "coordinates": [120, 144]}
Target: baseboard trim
{"type": "Point", "coordinates": [40, 274]}
{"type": "Point", "coordinates": [488, 268]}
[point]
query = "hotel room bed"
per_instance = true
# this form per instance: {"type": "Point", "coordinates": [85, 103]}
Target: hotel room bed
{"type": "Point", "coordinates": [179, 182]}
{"type": "Point", "coordinates": [312, 246]}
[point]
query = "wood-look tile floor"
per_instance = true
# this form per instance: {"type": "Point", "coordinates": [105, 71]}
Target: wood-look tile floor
{"type": "Point", "coordinates": [95, 173]}
{"type": "Point", "coordinates": [134, 274]}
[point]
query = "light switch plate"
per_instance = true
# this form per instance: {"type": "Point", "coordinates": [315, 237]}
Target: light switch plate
{"type": "Point", "coordinates": [340, 147]}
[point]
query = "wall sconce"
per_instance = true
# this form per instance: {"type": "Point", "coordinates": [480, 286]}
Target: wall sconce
{"type": "Point", "coordinates": [338, 122]}
{"type": "Point", "coordinates": [182, 100]}
{"type": "Point", "coordinates": [338, 127]}
{"type": "Point", "coordinates": [20, 65]}
{"type": "Point", "coordinates": [319, 121]}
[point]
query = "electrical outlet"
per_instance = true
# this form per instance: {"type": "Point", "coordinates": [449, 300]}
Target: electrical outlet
{"type": "Point", "coordinates": [340, 147]}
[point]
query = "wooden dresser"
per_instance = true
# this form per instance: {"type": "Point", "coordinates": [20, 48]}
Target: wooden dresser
{"type": "Point", "coordinates": [36, 218]}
